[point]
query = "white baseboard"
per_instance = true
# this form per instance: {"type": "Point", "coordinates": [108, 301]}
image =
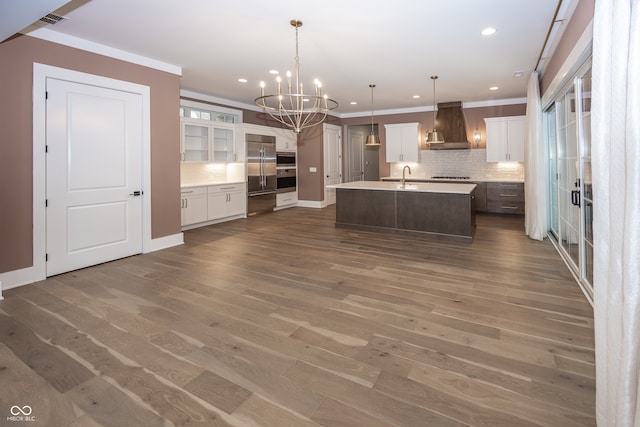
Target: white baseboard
{"type": "Point", "coordinates": [165, 242]}
{"type": "Point", "coordinates": [15, 278]}
{"type": "Point", "coordinates": [25, 276]}
{"type": "Point", "coordinates": [312, 204]}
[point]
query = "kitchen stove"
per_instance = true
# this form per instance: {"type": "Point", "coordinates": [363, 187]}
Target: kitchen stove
{"type": "Point", "coordinates": [451, 177]}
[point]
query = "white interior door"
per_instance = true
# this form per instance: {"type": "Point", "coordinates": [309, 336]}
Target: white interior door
{"type": "Point", "coordinates": [332, 161]}
{"type": "Point", "coordinates": [93, 175]}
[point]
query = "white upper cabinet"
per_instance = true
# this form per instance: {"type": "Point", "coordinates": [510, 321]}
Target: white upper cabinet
{"type": "Point", "coordinates": [286, 140]}
{"type": "Point", "coordinates": [203, 141]}
{"type": "Point", "coordinates": [223, 144]}
{"type": "Point", "coordinates": [505, 139]}
{"type": "Point", "coordinates": [194, 141]}
{"type": "Point", "coordinates": [402, 142]}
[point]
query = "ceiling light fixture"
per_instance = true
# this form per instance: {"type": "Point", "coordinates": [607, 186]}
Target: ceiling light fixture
{"type": "Point", "coordinates": [241, 80]}
{"type": "Point", "coordinates": [493, 88]}
{"type": "Point", "coordinates": [489, 31]}
{"type": "Point", "coordinates": [372, 139]}
{"type": "Point", "coordinates": [295, 109]}
{"type": "Point", "coordinates": [434, 137]}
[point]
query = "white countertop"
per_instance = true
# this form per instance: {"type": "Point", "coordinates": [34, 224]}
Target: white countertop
{"type": "Point", "coordinates": [425, 178]}
{"type": "Point", "coordinates": [425, 187]}
{"type": "Point", "coordinates": [207, 184]}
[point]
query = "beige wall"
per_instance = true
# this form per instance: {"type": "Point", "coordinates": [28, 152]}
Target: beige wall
{"type": "Point", "coordinates": [16, 184]}
{"type": "Point", "coordinates": [576, 26]}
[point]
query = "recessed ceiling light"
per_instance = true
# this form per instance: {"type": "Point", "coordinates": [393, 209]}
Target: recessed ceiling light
{"type": "Point", "coordinates": [354, 103]}
{"type": "Point", "coordinates": [517, 74]}
{"type": "Point", "coordinates": [416, 96]}
{"type": "Point", "coordinates": [242, 80]}
{"type": "Point", "coordinates": [488, 31]}
{"type": "Point", "coordinates": [493, 88]}
{"type": "Point", "coordinates": [274, 72]}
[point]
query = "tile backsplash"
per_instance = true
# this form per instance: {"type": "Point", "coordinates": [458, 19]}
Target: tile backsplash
{"type": "Point", "coordinates": [211, 173]}
{"type": "Point", "coordinates": [471, 163]}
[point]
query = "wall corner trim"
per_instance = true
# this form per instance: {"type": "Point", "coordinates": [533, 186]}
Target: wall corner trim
{"type": "Point", "coordinates": [311, 204]}
{"type": "Point", "coordinates": [165, 242]}
{"type": "Point", "coordinates": [16, 278]}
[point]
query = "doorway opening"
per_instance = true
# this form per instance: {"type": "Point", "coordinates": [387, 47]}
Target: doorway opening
{"type": "Point", "coordinates": [362, 163]}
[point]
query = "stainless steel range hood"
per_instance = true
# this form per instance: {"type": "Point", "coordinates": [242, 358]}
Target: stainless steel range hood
{"type": "Point", "coordinates": [450, 122]}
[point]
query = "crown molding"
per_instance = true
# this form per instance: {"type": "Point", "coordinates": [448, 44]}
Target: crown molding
{"type": "Point", "coordinates": [100, 49]}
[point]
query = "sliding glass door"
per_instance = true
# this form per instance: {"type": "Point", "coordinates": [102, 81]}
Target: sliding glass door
{"type": "Point", "coordinates": [552, 213]}
{"type": "Point", "coordinates": [568, 125]}
{"type": "Point", "coordinates": [585, 194]}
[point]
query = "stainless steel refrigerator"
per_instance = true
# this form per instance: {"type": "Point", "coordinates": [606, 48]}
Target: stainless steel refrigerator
{"type": "Point", "coordinates": [261, 173]}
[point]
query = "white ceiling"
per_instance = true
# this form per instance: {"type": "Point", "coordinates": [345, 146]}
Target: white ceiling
{"type": "Point", "coordinates": [15, 14]}
{"type": "Point", "coordinates": [347, 44]}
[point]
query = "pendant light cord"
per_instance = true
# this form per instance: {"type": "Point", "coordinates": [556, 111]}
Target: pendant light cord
{"type": "Point", "coordinates": [372, 86]}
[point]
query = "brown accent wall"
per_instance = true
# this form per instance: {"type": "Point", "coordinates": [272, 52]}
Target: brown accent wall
{"type": "Point", "coordinates": [576, 26]}
{"type": "Point", "coordinates": [16, 141]}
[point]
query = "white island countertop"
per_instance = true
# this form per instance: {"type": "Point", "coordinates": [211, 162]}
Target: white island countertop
{"type": "Point", "coordinates": [424, 187]}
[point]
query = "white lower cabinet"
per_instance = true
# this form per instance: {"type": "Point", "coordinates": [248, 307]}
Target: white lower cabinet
{"type": "Point", "coordinates": [226, 200]}
{"type": "Point", "coordinates": [214, 203]}
{"type": "Point", "coordinates": [286, 199]}
{"type": "Point", "coordinates": [193, 202]}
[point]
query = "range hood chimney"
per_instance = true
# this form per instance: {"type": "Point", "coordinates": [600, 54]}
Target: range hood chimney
{"type": "Point", "coordinates": [451, 124]}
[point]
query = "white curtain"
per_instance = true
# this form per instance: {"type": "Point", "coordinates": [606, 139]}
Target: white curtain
{"type": "Point", "coordinates": [616, 227]}
{"type": "Point", "coordinates": [535, 182]}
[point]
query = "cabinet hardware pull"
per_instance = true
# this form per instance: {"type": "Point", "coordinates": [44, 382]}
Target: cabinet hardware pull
{"type": "Point", "coordinates": [508, 195]}
{"type": "Point", "coordinates": [227, 188]}
{"type": "Point", "coordinates": [185, 192]}
{"type": "Point", "coordinates": [509, 207]}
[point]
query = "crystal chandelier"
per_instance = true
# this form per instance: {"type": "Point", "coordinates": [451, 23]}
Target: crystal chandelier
{"type": "Point", "coordinates": [293, 108]}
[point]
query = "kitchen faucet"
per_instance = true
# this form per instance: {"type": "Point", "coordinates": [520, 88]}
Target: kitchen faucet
{"type": "Point", "coordinates": [403, 170]}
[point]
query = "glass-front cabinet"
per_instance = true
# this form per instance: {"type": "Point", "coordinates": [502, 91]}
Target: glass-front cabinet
{"type": "Point", "coordinates": [194, 139]}
{"type": "Point", "coordinates": [568, 136]}
{"type": "Point", "coordinates": [202, 141]}
{"type": "Point", "coordinates": [223, 145]}
{"type": "Point", "coordinates": [208, 135]}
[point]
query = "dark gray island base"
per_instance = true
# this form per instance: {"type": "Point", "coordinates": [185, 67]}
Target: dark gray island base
{"type": "Point", "coordinates": [441, 211]}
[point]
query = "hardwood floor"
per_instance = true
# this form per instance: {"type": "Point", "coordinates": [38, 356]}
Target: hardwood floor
{"type": "Point", "coordinates": [284, 320]}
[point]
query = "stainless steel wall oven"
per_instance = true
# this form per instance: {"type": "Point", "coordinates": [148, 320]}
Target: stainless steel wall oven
{"type": "Point", "coordinates": [286, 158]}
{"type": "Point", "coordinates": [286, 179]}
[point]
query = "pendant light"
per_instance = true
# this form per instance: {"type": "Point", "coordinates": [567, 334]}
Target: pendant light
{"type": "Point", "coordinates": [434, 137]}
{"type": "Point", "coordinates": [372, 139]}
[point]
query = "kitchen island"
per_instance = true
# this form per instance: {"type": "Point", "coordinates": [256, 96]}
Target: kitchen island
{"type": "Point", "coordinates": [437, 210]}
